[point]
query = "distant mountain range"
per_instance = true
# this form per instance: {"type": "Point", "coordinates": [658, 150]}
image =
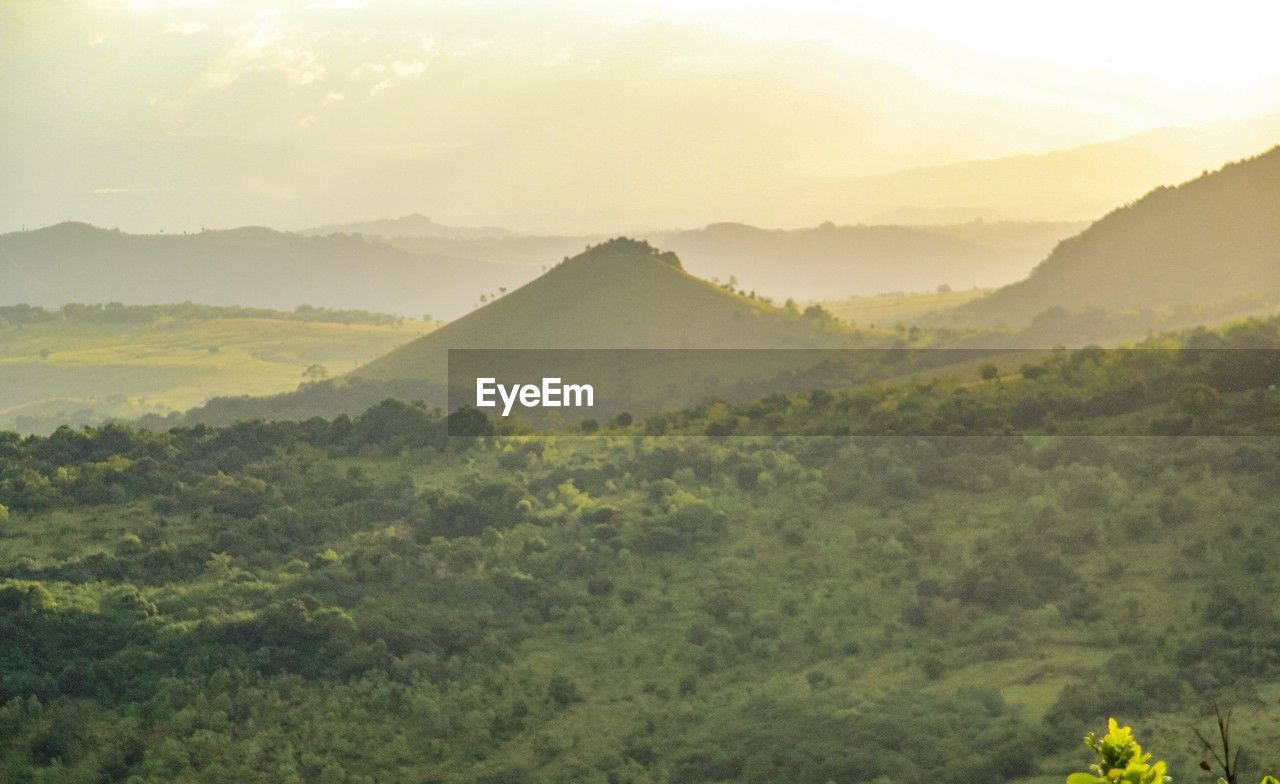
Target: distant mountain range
{"type": "Point", "coordinates": [804, 264]}
{"type": "Point", "coordinates": [1207, 249]}
{"type": "Point", "coordinates": [414, 225]}
{"type": "Point", "coordinates": [257, 267]}
{"type": "Point", "coordinates": [448, 270]}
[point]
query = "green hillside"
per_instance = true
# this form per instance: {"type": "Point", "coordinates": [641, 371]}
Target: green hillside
{"type": "Point", "coordinates": [139, 360]}
{"type": "Point", "coordinates": [367, 600]}
{"type": "Point", "coordinates": [619, 294]}
{"type": "Point", "coordinates": [1213, 242]}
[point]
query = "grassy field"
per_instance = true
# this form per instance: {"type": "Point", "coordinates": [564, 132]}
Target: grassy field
{"type": "Point", "coordinates": [63, 372]}
{"type": "Point", "coordinates": [885, 310]}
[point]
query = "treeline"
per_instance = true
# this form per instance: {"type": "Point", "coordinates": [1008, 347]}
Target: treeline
{"type": "Point", "coordinates": [117, 313]}
{"type": "Point", "coordinates": [1099, 324]}
{"type": "Point", "coordinates": [1200, 381]}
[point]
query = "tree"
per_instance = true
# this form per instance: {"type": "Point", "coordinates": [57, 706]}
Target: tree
{"type": "Point", "coordinates": [1196, 399]}
{"type": "Point", "coordinates": [563, 690]}
{"type": "Point", "coordinates": [316, 372]}
{"type": "Point", "coordinates": [988, 371]}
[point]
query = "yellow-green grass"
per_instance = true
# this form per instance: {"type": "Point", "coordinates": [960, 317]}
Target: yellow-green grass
{"type": "Point", "coordinates": [884, 310]}
{"type": "Point", "coordinates": [79, 372]}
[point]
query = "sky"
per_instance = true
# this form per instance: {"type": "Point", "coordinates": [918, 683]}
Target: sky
{"type": "Point", "coordinates": [177, 115]}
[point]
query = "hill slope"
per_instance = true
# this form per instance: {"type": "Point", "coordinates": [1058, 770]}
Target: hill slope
{"type": "Point", "coordinates": [257, 267]}
{"type": "Point", "coordinates": [620, 294]}
{"type": "Point", "coordinates": [1214, 239]}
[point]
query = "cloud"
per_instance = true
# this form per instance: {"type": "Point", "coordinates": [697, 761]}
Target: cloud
{"type": "Point", "coordinates": [262, 45]}
{"type": "Point", "coordinates": [190, 27]}
{"type": "Point", "coordinates": [112, 190]}
{"type": "Point", "coordinates": [367, 69]}
{"type": "Point", "coordinates": [406, 69]}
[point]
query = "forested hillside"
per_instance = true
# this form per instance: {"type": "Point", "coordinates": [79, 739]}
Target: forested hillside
{"type": "Point", "coordinates": [1211, 243]}
{"type": "Point", "coordinates": [370, 600]}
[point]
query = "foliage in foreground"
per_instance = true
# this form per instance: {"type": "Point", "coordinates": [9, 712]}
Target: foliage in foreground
{"type": "Point", "coordinates": [1121, 760]}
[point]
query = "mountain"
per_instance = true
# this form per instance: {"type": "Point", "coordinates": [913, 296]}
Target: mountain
{"type": "Point", "coordinates": [1210, 242]}
{"type": "Point", "coordinates": [256, 267]}
{"type": "Point", "coordinates": [413, 225]}
{"type": "Point", "coordinates": [620, 294]}
{"type": "Point", "coordinates": [1080, 183]}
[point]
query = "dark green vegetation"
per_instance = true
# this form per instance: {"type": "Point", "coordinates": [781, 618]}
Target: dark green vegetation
{"type": "Point", "coordinates": [368, 600]}
{"type": "Point", "coordinates": [1200, 382]}
{"type": "Point", "coordinates": [1197, 253]}
{"type": "Point", "coordinates": [254, 267]}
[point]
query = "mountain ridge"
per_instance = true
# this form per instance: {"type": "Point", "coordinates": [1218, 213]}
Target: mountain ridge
{"type": "Point", "coordinates": [1212, 238]}
{"type": "Point", "coordinates": [253, 266]}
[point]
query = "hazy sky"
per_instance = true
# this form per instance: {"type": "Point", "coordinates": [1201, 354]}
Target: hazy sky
{"type": "Point", "coordinates": [153, 115]}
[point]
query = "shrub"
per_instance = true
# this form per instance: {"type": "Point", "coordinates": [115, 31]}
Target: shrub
{"type": "Point", "coordinates": [1120, 759]}
{"type": "Point", "coordinates": [563, 690]}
